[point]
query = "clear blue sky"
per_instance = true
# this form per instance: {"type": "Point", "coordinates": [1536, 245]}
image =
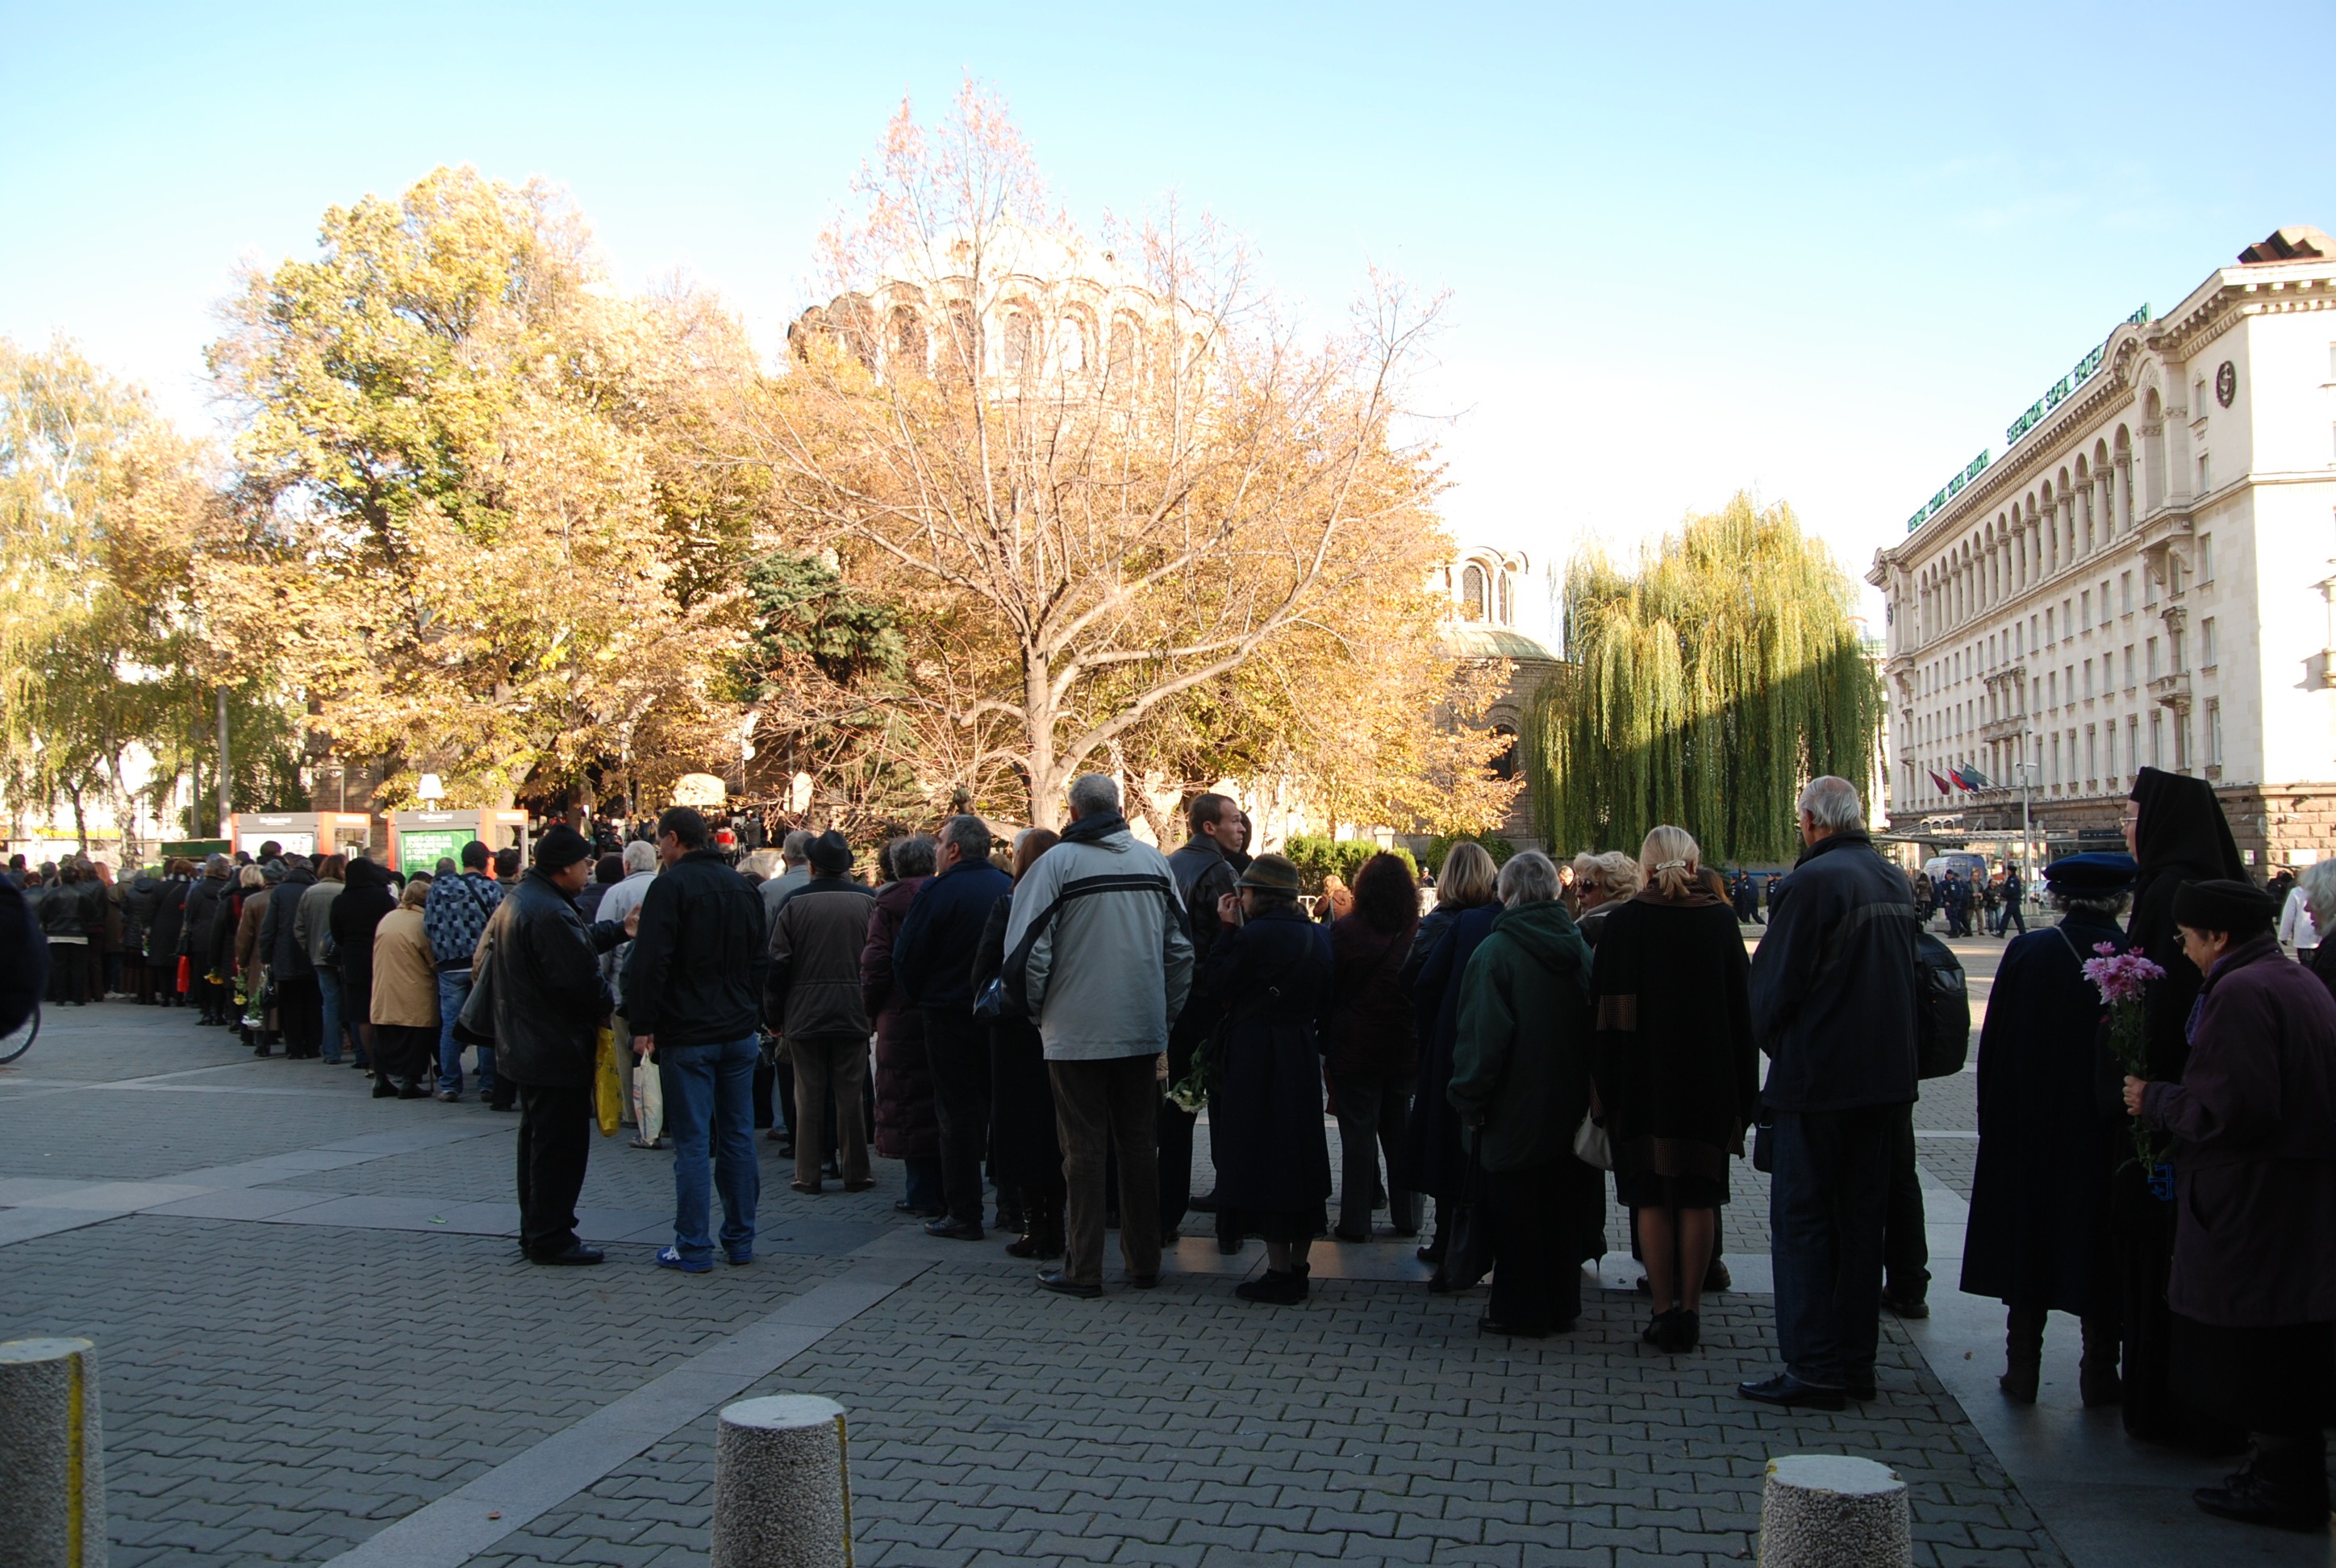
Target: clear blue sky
{"type": "Point", "coordinates": [1824, 254]}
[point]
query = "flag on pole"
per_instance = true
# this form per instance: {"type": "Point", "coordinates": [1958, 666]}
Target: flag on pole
{"type": "Point", "coordinates": [1979, 780]}
{"type": "Point", "coordinates": [1944, 787]}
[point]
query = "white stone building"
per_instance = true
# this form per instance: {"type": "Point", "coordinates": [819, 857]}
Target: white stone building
{"type": "Point", "coordinates": [2144, 578]}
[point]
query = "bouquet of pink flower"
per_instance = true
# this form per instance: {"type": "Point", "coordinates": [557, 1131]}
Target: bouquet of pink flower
{"type": "Point", "coordinates": [2122, 978]}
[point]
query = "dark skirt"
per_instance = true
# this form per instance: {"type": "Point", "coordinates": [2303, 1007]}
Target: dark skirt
{"type": "Point", "coordinates": [1025, 1148]}
{"type": "Point", "coordinates": [1653, 1190]}
{"type": "Point", "coordinates": [1280, 1226]}
{"type": "Point", "coordinates": [2279, 1381]}
{"type": "Point", "coordinates": [403, 1050]}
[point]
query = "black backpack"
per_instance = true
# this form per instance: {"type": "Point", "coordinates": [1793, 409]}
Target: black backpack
{"type": "Point", "coordinates": [1944, 1008]}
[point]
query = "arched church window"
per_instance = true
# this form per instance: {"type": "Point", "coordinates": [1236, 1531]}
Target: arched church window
{"type": "Point", "coordinates": [908, 339]}
{"type": "Point", "coordinates": [1017, 342]}
{"type": "Point", "coordinates": [1471, 592]}
{"type": "Point", "coordinates": [1508, 613]}
{"type": "Point", "coordinates": [1075, 344]}
{"type": "Point", "coordinates": [1123, 354]}
{"type": "Point", "coordinates": [1504, 766]}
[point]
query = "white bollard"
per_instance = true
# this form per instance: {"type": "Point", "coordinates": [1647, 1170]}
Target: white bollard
{"type": "Point", "coordinates": [1831, 1511]}
{"type": "Point", "coordinates": [781, 1485]}
{"type": "Point", "coordinates": [52, 1456]}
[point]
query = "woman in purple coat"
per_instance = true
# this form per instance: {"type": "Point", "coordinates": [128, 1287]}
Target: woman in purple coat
{"type": "Point", "coordinates": [2253, 1290]}
{"type": "Point", "coordinates": [906, 1128]}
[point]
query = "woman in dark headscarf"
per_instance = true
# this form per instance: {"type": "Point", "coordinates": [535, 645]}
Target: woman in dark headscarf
{"type": "Point", "coordinates": [354, 920]}
{"type": "Point", "coordinates": [1025, 1145]}
{"type": "Point", "coordinates": [2176, 829]}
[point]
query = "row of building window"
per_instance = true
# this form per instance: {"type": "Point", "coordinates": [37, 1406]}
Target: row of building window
{"type": "Point", "coordinates": [2044, 692]}
{"type": "Point", "coordinates": [2100, 751]}
{"type": "Point", "coordinates": [2056, 624]}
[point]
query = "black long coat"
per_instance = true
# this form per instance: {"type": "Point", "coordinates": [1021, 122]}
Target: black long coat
{"type": "Point", "coordinates": [1434, 1154]}
{"type": "Point", "coordinates": [1271, 978]}
{"type": "Point", "coordinates": [1025, 1147]}
{"type": "Point", "coordinates": [2038, 1234]}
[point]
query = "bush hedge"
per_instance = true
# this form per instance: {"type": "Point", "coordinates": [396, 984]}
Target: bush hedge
{"type": "Point", "coordinates": [1317, 858]}
{"type": "Point", "coordinates": [1500, 848]}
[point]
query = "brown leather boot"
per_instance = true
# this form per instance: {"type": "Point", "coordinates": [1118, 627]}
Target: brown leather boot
{"type": "Point", "coordinates": [2023, 1353]}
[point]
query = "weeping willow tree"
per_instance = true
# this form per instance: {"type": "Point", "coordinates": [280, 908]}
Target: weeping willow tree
{"type": "Point", "coordinates": [1703, 688]}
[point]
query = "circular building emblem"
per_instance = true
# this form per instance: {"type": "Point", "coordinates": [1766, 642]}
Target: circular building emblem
{"type": "Point", "coordinates": [2226, 383]}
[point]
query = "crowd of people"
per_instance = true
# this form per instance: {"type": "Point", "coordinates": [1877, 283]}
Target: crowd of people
{"type": "Point", "coordinates": [1049, 1019]}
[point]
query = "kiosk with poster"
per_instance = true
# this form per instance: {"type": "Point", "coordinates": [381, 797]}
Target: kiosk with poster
{"type": "Point", "coordinates": [311, 834]}
{"type": "Point", "coordinates": [419, 839]}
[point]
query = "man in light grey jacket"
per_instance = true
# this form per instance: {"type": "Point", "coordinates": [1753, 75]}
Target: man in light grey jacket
{"type": "Point", "coordinates": [1097, 954]}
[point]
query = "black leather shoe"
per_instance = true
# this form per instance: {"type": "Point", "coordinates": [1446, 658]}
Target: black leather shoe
{"type": "Point", "coordinates": [921, 1211]}
{"type": "Point", "coordinates": [1054, 1279]}
{"type": "Point", "coordinates": [2250, 1499]}
{"type": "Point", "coordinates": [1785, 1390]}
{"type": "Point", "coordinates": [575, 1256]}
{"type": "Point", "coordinates": [1906, 1305]}
{"type": "Point", "coordinates": [1144, 1282]}
{"type": "Point", "coordinates": [1346, 1235]}
{"type": "Point", "coordinates": [954, 1230]}
{"type": "Point", "coordinates": [1859, 1388]}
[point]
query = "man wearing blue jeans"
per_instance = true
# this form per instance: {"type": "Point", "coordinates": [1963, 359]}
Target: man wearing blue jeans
{"type": "Point", "coordinates": [692, 989]}
{"type": "Point", "coordinates": [1834, 1004]}
{"type": "Point", "coordinates": [452, 919]}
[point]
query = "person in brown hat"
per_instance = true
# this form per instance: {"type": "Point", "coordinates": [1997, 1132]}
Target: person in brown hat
{"type": "Point", "coordinates": [1268, 983]}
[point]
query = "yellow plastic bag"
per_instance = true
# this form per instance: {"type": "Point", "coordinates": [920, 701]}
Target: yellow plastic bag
{"type": "Point", "coordinates": [608, 1085]}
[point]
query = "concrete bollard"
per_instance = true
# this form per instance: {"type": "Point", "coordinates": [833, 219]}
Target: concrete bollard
{"type": "Point", "coordinates": [52, 1454]}
{"type": "Point", "coordinates": [781, 1485]}
{"type": "Point", "coordinates": [1830, 1511]}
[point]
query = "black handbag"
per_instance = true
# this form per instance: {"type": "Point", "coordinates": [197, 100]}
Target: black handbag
{"type": "Point", "coordinates": [1468, 1257]}
{"type": "Point", "coordinates": [1764, 1148]}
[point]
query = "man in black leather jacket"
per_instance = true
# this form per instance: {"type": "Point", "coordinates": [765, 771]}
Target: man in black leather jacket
{"type": "Point", "coordinates": [548, 1002]}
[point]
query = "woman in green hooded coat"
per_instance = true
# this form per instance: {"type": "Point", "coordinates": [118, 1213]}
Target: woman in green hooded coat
{"type": "Point", "coordinates": [1520, 1084]}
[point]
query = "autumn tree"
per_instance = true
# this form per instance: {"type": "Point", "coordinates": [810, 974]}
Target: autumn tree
{"type": "Point", "coordinates": [1100, 480]}
{"type": "Point", "coordinates": [103, 678]}
{"type": "Point", "coordinates": [465, 538]}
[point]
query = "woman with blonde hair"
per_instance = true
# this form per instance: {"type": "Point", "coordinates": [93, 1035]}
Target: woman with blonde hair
{"type": "Point", "coordinates": [1675, 1069]}
{"type": "Point", "coordinates": [1433, 1154]}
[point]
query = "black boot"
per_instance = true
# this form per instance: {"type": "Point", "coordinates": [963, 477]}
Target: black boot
{"type": "Point", "coordinates": [1042, 1217]}
{"type": "Point", "coordinates": [383, 1088]}
{"type": "Point", "coordinates": [2023, 1353]}
{"type": "Point", "coordinates": [2284, 1485]}
{"type": "Point", "coordinates": [2096, 1375]}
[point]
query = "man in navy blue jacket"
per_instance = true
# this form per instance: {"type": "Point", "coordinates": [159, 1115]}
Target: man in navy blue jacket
{"type": "Point", "coordinates": [932, 962]}
{"type": "Point", "coordinates": [1835, 1007]}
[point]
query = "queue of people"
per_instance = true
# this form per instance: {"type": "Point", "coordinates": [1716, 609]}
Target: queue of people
{"type": "Point", "coordinates": [1049, 1018]}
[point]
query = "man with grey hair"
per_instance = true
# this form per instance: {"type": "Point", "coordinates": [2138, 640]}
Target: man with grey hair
{"type": "Point", "coordinates": [1096, 952]}
{"type": "Point", "coordinates": [1836, 1006]}
{"type": "Point", "coordinates": [932, 963]}
{"type": "Point", "coordinates": [795, 855]}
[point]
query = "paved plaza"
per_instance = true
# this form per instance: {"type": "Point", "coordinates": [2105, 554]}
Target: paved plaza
{"type": "Point", "coordinates": [317, 1343]}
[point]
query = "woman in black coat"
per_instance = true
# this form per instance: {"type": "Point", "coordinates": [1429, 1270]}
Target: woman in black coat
{"type": "Point", "coordinates": [163, 927]}
{"type": "Point", "coordinates": [2038, 1234]}
{"type": "Point", "coordinates": [1270, 972]}
{"type": "Point", "coordinates": [198, 939]}
{"type": "Point", "coordinates": [1368, 1040]}
{"type": "Point", "coordinates": [1433, 1154]}
{"type": "Point", "coordinates": [2176, 829]}
{"type": "Point", "coordinates": [1025, 1152]}
{"type": "Point", "coordinates": [1677, 1069]}
{"type": "Point", "coordinates": [365, 899]}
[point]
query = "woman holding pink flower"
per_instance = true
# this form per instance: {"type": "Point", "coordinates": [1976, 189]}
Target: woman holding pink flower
{"type": "Point", "coordinates": [2253, 1287]}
